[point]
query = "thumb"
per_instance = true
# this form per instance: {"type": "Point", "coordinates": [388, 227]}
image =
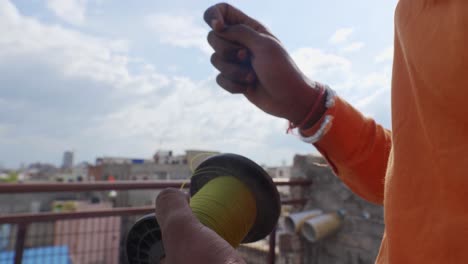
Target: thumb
{"type": "Point", "coordinates": [172, 204]}
{"type": "Point", "coordinates": [214, 18]}
{"type": "Point", "coordinates": [241, 34]}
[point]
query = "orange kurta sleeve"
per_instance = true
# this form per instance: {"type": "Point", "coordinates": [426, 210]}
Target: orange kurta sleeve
{"type": "Point", "coordinates": [358, 149]}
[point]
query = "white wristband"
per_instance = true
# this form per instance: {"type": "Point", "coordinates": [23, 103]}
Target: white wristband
{"type": "Point", "coordinates": [327, 121]}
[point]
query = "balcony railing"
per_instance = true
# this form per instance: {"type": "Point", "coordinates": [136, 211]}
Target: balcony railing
{"type": "Point", "coordinates": [89, 236]}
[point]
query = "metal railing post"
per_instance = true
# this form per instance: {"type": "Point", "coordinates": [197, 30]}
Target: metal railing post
{"type": "Point", "coordinates": [272, 247]}
{"type": "Point", "coordinates": [20, 241]}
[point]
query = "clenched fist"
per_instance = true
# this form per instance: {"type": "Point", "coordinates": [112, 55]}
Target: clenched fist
{"type": "Point", "coordinates": [252, 61]}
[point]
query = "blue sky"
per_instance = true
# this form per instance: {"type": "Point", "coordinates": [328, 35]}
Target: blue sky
{"type": "Point", "coordinates": [125, 78]}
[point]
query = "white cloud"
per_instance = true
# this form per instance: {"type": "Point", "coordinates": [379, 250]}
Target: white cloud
{"type": "Point", "coordinates": [179, 30]}
{"type": "Point", "coordinates": [325, 67]}
{"type": "Point", "coordinates": [341, 35]}
{"type": "Point", "coordinates": [195, 114]}
{"type": "Point", "coordinates": [314, 61]}
{"type": "Point", "coordinates": [77, 55]}
{"type": "Point", "coordinates": [375, 83]}
{"type": "Point", "coordinates": [367, 92]}
{"type": "Point", "coordinates": [200, 115]}
{"type": "Point", "coordinates": [377, 79]}
{"type": "Point", "coordinates": [56, 82]}
{"type": "Point", "coordinates": [385, 55]}
{"type": "Point", "coordinates": [377, 105]}
{"type": "Point", "coordinates": [355, 46]}
{"type": "Point", "coordinates": [370, 98]}
{"type": "Point", "coordinates": [3, 130]}
{"type": "Point", "coordinates": [75, 90]}
{"type": "Point", "coordinates": [71, 11]}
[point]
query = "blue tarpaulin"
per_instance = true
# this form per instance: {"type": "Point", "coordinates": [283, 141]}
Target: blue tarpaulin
{"type": "Point", "coordinates": [5, 230]}
{"type": "Point", "coordinates": [54, 254]}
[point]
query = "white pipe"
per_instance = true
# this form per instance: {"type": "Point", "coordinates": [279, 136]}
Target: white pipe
{"type": "Point", "coordinates": [293, 222]}
{"type": "Point", "coordinates": [319, 227]}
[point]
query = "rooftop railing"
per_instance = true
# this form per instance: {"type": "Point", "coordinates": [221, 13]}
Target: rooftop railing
{"type": "Point", "coordinates": [89, 236]}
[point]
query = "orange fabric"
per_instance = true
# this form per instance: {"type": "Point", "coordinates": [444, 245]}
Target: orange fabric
{"type": "Point", "coordinates": [358, 150]}
{"type": "Point", "coordinates": [419, 171]}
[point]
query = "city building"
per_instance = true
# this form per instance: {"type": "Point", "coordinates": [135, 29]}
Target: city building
{"type": "Point", "coordinates": [281, 172]}
{"type": "Point", "coordinates": [40, 172]}
{"type": "Point", "coordinates": [67, 162]}
{"type": "Point", "coordinates": [164, 166]}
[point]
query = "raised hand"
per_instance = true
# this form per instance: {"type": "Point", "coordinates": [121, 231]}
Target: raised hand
{"type": "Point", "coordinates": [252, 61]}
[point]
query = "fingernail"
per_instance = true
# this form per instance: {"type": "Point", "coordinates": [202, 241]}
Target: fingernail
{"type": "Point", "coordinates": [214, 23]}
{"type": "Point", "coordinates": [242, 54]}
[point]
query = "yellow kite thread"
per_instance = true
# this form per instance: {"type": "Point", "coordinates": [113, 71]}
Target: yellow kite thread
{"type": "Point", "coordinates": [211, 169]}
{"type": "Point", "coordinates": [226, 206]}
{"type": "Point", "coordinates": [207, 154]}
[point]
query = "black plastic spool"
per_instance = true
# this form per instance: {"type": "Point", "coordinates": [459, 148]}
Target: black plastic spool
{"type": "Point", "coordinates": [144, 244]}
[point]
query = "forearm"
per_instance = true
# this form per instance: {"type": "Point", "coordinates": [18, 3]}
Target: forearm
{"type": "Point", "coordinates": [355, 146]}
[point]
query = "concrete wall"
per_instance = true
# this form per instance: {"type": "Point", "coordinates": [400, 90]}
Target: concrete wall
{"type": "Point", "coordinates": [358, 240]}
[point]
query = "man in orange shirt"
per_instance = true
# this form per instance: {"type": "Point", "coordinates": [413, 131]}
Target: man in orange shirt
{"type": "Point", "coordinates": [418, 171]}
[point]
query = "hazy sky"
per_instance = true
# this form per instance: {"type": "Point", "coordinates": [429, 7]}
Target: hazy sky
{"type": "Point", "coordinates": [125, 78]}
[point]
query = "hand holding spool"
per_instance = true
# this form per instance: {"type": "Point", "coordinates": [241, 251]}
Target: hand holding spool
{"type": "Point", "coordinates": [231, 195]}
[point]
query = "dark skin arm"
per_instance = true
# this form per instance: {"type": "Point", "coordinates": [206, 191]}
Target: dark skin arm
{"type": "Point", "coordinates": [252, 62]}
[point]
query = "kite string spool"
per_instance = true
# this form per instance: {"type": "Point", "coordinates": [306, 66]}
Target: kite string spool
{"type": "Point", "coordinates": [227, 206]}
{"type": "Point", "coordinates": [191, 167]}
